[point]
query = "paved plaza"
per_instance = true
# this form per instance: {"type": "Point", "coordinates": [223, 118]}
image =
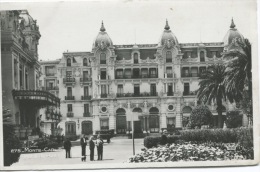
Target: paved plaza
{"type": "Point", "coordinates": [117, 151]}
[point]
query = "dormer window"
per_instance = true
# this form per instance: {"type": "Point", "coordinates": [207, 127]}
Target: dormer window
{"type": "Point", "coordinates": [103, 58]}
{"type": "Point", "coordinates": [135, 58]}
{"type": "Point", "coordinates": [85, 62]}
{"type": "Point", "coordinates": [168, 57]}
{"type": "Point", "coordinates": [68, 62]}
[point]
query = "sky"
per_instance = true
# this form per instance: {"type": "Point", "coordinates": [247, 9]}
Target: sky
{"type": "Point", "coordinates": [73, 26]}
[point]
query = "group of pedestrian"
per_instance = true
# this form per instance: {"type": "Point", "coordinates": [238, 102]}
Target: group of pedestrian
{"type": "Point", "coordinates": [83, 142]}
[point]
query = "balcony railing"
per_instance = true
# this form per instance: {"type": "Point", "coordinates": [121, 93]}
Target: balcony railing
{"type": "Point", "coordinates": [68, 80]}
{"type": "Point", "coordinates": [169, 75]}
{"type": "Point", "coordinates": [85, 97]}
{"type": "Point", "coordinates": [170, 93]}
{"type": "Point", "coordinates": [50, 74]}
{"type": "Point", "coordinates": [85, 79]}
{"type": "Point", "coordinates": [69, 98]}
{"type": "Point", "coordinates": [190, 75]}
{"type": "Point", "coordinates": [146, 94]}
{"type": "Point", "coordinates": [103, 95]}
{"type": "Point", "coordinates": [70, 114]}
{"type": "Point", "coordinates": [52, 88]}
{"type": "Point", "coordinates": [190, 93]}
{"type": "Point", "coordinates": [136, 76]}
{"type": "Point", "coordinates": [86, 114]}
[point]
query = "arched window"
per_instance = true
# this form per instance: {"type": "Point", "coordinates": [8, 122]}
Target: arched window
{"type": "Point", "coordinates": [135, 58]}
{"type": "Point", "coordinates": [168, 57]}
{"type": "Point", "coordinates": [85, 62]}
{"type": "Point", "coordinates": [102, 58]}
{"type": "Point", "coordinates": [154, 110]}
{"type": "Point", "coordinates": [120, 111]}
{"type": "Point", "coordinates": [68, 62]}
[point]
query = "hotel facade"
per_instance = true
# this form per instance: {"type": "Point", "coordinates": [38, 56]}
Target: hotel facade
{"type": "Point", "coordinates": [152, 84]}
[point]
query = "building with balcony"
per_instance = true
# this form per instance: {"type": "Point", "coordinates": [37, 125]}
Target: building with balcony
{"type": "Point", "coordinates": [104, 88]}
{"type": "Point", "coordinates": [21, 93]}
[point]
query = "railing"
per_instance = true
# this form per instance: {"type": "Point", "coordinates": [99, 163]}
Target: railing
{"type": "Point", "coordinates": [191, 93]}
{"type": "Point", "coordinates": [169, 75]}
{"type": "Point", "coordinates": [170, 93]}
{"type": "Point", "coordinates": [50, 74]}
{"type": "Point", "coordinates": [190, 75]}
{"type": "Point", "coordinates": [52, 88]}
{"type": "Point", "coordinates": [69, 98]}
{"type": "Point", "coordinates": [36, 95]}
{"type": "Point", "coordinates": [85, 79]}
{"type": "Point", "coordinates": [70, 114]}
{"type": "Point", "coordinates": [103, 95]}
{"type": "Point", "coordinates": [146, 94]}
{"type": "Point", "coordinates": [68, 80]}
{"type": "Point", "coordinates": [85, 97]}
{"type": "Point", "coordinates": [136, 76]}
{"type": "Point", "coordinates": [86, 114]}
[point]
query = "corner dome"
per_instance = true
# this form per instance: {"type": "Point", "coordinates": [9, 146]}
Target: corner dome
{"type": "Point", "coordinates": [232, 35]}
{"type": "Point", "coordinates": [102, 40]}
{"type": "Point", "coordinates": [168, 38]}
{"type": "Point", "coordinates": [28, 20]}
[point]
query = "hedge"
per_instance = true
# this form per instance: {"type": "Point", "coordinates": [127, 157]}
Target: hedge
{"type": "Point", "coordinates": [243, 136]}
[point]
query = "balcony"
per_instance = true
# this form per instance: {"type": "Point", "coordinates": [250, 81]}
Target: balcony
{"type": "Point", "coordinates": [85, 97]}
{"type": "Point", "coordinates": [85, 80]}
{"type": "Point", "coordinates": [36, 97]}
{"type": "Point", "coordinates": [52, 88]}
{"type": "Point", "coordinates": [169, 75]}
{"type": "Point", "coordinates": [69, 98]}
{"type": "Point", "coordinates": [69, 81]}
{"type": "Point", "coordinates": [170, 93]}
{"type": "Point", "coordinates": [189, 93]}
{"type": "Point", "coordinates": [70, 114]}
{"type": "Point", "coordinates": [190, 75]}
{"type": "Point", "coordinates": [86, 114]}
{"type": "Point", "coordinates": [136, 76]}
{"type": "Point", "coordinates": [103, 95]}
{"type": "Point", "coordinates": [50, 74]}
{"type": "Point", "coordinates": [145, 94]}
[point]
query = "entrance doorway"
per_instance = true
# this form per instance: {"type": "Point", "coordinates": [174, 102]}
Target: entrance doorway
{"type": "Point", "coordinates": [120, 121]}
{"type": "Point", "coordinates": [86, 127]}
{"type": "Point", "coordinates": [154, 120]}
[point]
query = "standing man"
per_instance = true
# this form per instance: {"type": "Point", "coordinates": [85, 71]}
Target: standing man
{"type": "Point", "coordinates": [99, 144]}
{"type": "Point", "coordinates": [67, 147]}
{"type": "Point", "coordinates": [83, 142]}
{"type": "Point", "coordinates": [91, 148]}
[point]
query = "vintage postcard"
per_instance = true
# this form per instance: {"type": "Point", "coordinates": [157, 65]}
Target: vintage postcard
{"type": "Point", "coordinates": [129, 84]}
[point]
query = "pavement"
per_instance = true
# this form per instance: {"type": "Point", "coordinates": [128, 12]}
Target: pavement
{"type": "Point", "coordinates": [119, 150]}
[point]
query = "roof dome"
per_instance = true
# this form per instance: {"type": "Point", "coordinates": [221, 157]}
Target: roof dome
{"type": "Point", "coordinates": [102, 40]}
{"type": "Point", "coordinates": [28, 20]}
{"type": "Point", "coordinates": [232, 34]}
{"type": "Point", "coordinates": [168, 38]}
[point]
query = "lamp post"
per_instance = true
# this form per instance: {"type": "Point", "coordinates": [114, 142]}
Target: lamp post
{"type": "Point", "coordinates": [133, 133]}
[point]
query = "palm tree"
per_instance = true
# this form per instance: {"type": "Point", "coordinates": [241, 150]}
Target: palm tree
{"type": "Point", "coordinates": [238, 70]}
{"type": "Point", "coordinates": [211, 88]}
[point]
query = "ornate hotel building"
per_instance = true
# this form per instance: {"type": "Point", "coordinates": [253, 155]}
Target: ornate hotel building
{"type": "Point", "coordinates": [154, 84]}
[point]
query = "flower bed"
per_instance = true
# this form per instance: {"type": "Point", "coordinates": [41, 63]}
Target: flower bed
{"type": "Point", "coordinates": [194, 152]}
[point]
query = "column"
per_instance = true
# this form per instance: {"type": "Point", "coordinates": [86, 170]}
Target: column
{"type": "Point", "coordinates": [178, 114]}
{"type": "Point", "coordinates": [163, 121]}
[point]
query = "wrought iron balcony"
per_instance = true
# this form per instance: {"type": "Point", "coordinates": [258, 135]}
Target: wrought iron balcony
{"type": "Point", "coordinates": [69, 98]}
{"type": "Point", "coordinates": [83, 80]}
{"type": "Point", "coordinates": [103, 95]}
{"type": "Point", "coordinates": [70, 114]}
{"type": "Point", "coordinates": [36, 97]}
{"type": "Point", "coordinates": [136, 76]}
{"type": "Point", "coordinates": [145, 94]}
{"type": "Point", "coordinates": [190, 93]}
{"type": "Point", "coordinates": [170, 93]}
{"type": "Point", "coordinates": [68, 80]}
{"type": "Point", "coordinates": [52, 88]}
{"type": "Point", "coordinates": [86, 114]}
{"type": "Point", "coordinates": [85, 97]}
{"type": "Point", "coordinates": [169, 75]}
{"type": "Point", "coordinates": [190, 75]}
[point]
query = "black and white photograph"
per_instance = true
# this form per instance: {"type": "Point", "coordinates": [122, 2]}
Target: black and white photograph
{"type": "Point", "coordinates": [129, 84]}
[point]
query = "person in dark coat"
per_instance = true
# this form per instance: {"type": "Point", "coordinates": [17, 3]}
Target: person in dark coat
{"type": "Point", "coordinates": [164, 138]}
{"type": "Point", "coordinates": [83, 142]}
{"type": "Point", "coordinates": [99, 144]}
{"type": "Point", "coordinates": [67, 147]}
{"type": "Point", "coordinates": [91, 148]}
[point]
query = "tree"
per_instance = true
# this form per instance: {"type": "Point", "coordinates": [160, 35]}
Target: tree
{"type": "Point", "coordinates": [201, 115]}
{"type": "Point", "coordinates": [211, 88]}
{"type": "Point", "coordinates": [10, 140]}
{"type": "Point", "coordinates": [238, 79]}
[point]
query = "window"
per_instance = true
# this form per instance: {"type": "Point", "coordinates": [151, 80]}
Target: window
{"type": "Point", "coordinates": [186, 89]}
{"type": "Point", "coordinates": [40, 83]}
{"type": "Point", "coordinates": [202, 56]}
{"type": "Point", "coordinates": [49, 71]}
{"type": "Point", "coordinates": [69, 107]}
{"type": "Point", "coordinates": [168, 57]}
{"type": "Point", "coordinates": [103, 74]}
{"type": "Point", "coordinates": [104, 124]}
{"type": "Point", "coordinates": [86, 108]}
{"type": "Point", "coordinates": [144, 73]}
{"type": "Point", "coordinates": [189, 54]}
{"type": "Point", "coordinates": [68, 62]}
{"type": "Point", "coordinates": [193, 54]}
{"type": "Point", "coordinates": [70, 128]}
{"type": "Point", "coordinates": [135, 58]}
{"type": "Point", "coordinates": [153, 89]}
{"type": "Point", "coordinates": [85, 75]}
{"type": "Point", "coordinates": [119, 73]}
{"type": "Point", "coordinates": [194, 72]}
{"type": "Point", "coordinates": [169, 72]}
{"type": "Point", "coordinates": [170, 123]}
{"type": "Point", "coordinates": [50, 85]}
{"type": "Point", "coordinates": [21, 76]}
{"type": "Point", "coordinates": [120, 89]}
{"type": "Point", "coordinates": [86, 93]}
{"type": "Point", "coordinates": [136, 73]}
{"type": "Point", "coordinates": [103, 58]}
{"type": "Point", "coordinates": [68, 74]}
{"type": "Point", "coordinates": [85, 62]}
{"type": "Point", "coordinates": [170, 89]}
{"type": "Point", "coordinates": [103, 91]}
{"type": "Point", "coordinates": [153, 73]}
{"type": "Point", "coordinates": [136, 89]}
{"type": "Point", "coordinates": [26, 79]}
{"type": "Point", "coordinates": [69, 91]}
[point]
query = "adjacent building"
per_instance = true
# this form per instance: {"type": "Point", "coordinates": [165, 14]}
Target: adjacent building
{"type": "Point", "coordinates": [153, 85]}
{"type": "Point", "coordinates": [21, 71]}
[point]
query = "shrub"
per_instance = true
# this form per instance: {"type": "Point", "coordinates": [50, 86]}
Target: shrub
{"type": "Point", "coordinates": [201, 115]}
{"type": "Point", "coordinates": [153, 141]}
{"type": "Point", "coordinates": [233, 119]}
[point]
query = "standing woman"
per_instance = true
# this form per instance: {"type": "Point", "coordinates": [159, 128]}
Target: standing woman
{"type": "Point", "coordinates": [83, 142]}
{"type": "Point", "coordinates": [99, 144]}
{"type": "Point", "coordinates": [91, 148]}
